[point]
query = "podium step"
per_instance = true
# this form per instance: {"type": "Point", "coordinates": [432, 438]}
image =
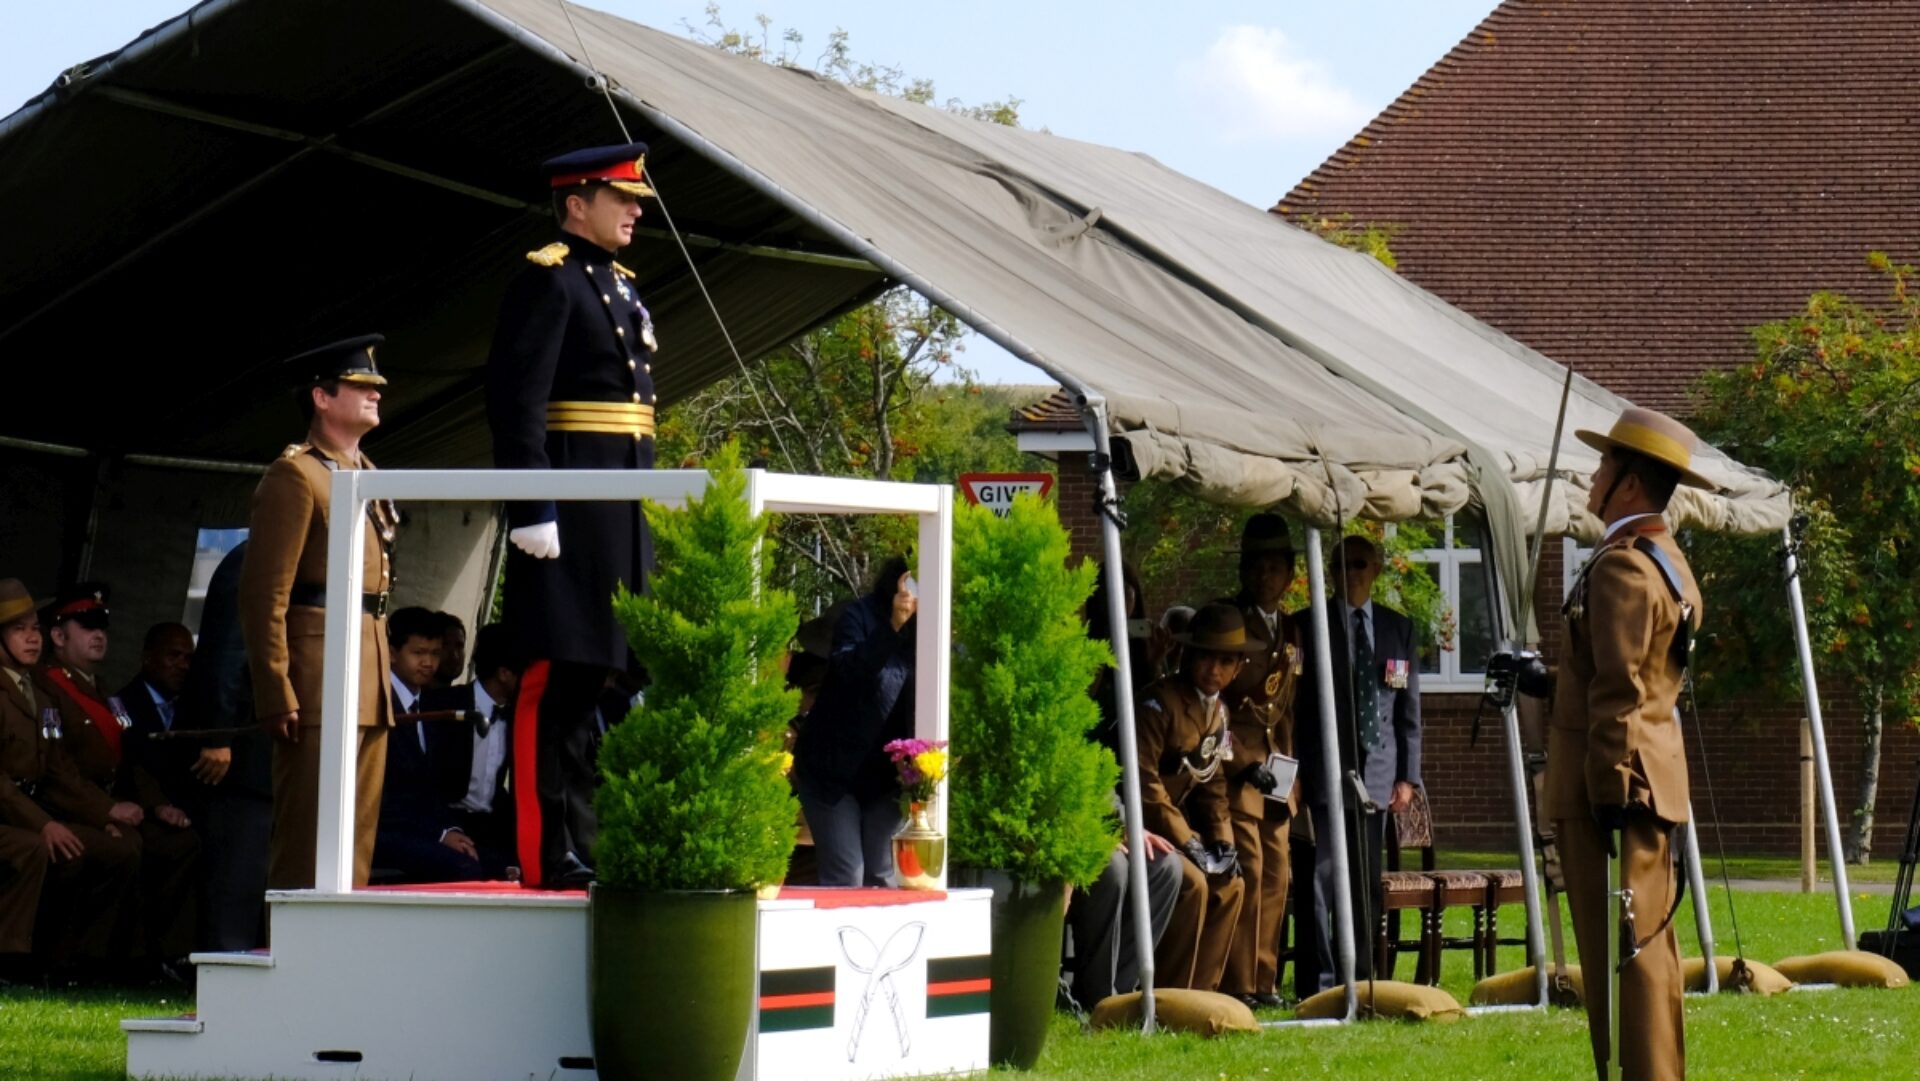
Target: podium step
{"type": "Point", "coordinates": [184, 1025]}
{"type": "Point", "coordinates": [238, 959]}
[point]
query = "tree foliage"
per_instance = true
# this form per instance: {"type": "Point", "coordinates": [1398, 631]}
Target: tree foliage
{"type": "Point", "coordinates": [1830, 404]}
{"type": "Point", "coordinates": [694, 793]}
{"type": "Point", "coordinates": [1368, 238]}
{"type": "Point", "coordinates": [1032, 792]}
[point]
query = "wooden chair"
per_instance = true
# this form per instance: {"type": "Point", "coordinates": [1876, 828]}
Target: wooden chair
{"type": "Point", "coordinates": [1505, 887]}
{"type": "Point", "coordinates": [1472, 890]}
{"type": "Point", "coordinates": [1402, 890]}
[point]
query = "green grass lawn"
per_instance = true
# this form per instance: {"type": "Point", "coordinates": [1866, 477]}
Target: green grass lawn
{"type": "Point", "coordinates": [75, 1036]}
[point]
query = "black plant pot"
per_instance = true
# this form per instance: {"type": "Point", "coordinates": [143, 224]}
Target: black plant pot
{"type": "Point", "coordinates": [1028, 920]}
{"type": "Point", "coordinates": [672, 982]}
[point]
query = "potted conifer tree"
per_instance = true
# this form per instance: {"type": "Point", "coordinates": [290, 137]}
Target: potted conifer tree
{"type": "Point", "coordinates": [1031, 811]}
{"type": "Point", "coordinates": [695, 811]}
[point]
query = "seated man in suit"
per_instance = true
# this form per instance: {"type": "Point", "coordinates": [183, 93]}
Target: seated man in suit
{"type": "Point", "coordinates": [152, 701]}
{"type": "Point", "coordinates": [469, 761]}
{"type": "Point", "coordinates": [163, 769]}
{"type": "Point", "coordinates": [453, 651]}
{"type": "Point", "coordinates": [1376, 680]}
{"type": "Point", "coordinates": [418, 839]}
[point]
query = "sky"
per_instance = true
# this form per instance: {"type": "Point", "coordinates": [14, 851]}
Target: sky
{"type": "Point", "coordinates": [1246, 96]}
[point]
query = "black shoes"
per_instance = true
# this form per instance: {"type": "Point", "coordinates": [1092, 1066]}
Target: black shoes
{"type": "Point", "coordinates": [566, 873]}
{"type": "Point", "coordinates": [1266, 1000]}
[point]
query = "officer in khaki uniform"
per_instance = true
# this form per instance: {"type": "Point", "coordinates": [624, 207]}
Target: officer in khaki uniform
{"type": "Point", "coordinates": [59, 839]}
{"type": "Point", "coordinates": [1185, 752]}
{"type": "Point", "coordinates": [1616, 763]}
{"type": "Point", "coordinates": [283, 596]}
{"type": "Point", "coordinates": [1260, 717]}
{"type": "Point", "coordinates": [96, 734]}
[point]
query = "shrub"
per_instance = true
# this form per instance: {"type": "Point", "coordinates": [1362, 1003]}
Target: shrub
{"type": "Point", "coordinates": [694, 792]}
{"type": "Point", "coordinates": [1032, 794]}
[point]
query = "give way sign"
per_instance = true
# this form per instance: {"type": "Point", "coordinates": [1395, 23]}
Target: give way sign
{"type": "Point", "coordinates": [995, 491]}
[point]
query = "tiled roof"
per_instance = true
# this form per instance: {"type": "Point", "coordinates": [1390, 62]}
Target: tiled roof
{"type": "Point", "coordinates": [1628, 185]}
{"type": "Point", "coordinates": [1057, 412]}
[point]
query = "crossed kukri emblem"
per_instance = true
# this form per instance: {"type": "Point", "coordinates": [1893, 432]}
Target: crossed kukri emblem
{"type": "Point", "coordinates": [878, 964]}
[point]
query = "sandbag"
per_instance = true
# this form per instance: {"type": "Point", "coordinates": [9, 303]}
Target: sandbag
{"type": "Point", "coordinates": [1767, 980]}
{"type": "Point", "coordinates": [1516, 989]}
{"type": "Point", "coordinates": [1208, 1013]}
{"type": "Point", "coordinates": [1388, 998]}
{"type": "Point", "coordinates": [1847, 968]}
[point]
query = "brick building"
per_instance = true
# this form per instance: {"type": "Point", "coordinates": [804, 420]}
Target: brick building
{"type": "Point", "coordinates": [1628, 186]}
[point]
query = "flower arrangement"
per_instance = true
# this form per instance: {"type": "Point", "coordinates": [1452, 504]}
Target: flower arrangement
{"type": "Point", "coordinates": [922, 765]}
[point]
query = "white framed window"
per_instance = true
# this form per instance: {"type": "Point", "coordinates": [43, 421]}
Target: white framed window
{"type": "Point", "coordinates": [1457, 565]}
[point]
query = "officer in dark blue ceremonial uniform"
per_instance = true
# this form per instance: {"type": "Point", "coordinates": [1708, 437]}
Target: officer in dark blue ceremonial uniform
{"type": "Point", "coordinates": [570, 386]}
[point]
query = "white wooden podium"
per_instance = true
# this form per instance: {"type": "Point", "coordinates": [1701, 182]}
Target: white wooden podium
{"type": "Point", "coordinates": [491, 985]}
{"type": "Point", "coordinates": [488, 982]}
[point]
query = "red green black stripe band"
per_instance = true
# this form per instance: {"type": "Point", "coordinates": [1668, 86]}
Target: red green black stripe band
{"type": "Point", "coordinates": [796, 999]}
{"type": "Point", "coordinates": [948, 969]}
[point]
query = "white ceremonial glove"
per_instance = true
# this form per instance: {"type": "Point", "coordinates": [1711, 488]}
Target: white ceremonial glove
{"type": "Point", "coordinates": [539, 541]}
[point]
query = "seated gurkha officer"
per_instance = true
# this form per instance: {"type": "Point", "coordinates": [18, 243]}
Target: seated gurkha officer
{"type": "Point", "coordinates": [1184, 754]}
{"type": "Point", "coordinates": [283, 597]}
{"type": "Point", "coordinates": [1260, 717]}
{"type": "Point", "coordinates": [88, 859]}
{"type": "Point", "coordinates": [1616, 762]}
{"type": "Point", "coordinates": [570, 386]}
{"type": "Point", "coordinates": [98, 737]}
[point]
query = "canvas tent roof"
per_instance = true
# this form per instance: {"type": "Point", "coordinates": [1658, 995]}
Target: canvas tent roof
{"type": "Point", "coordinates": [258, 177]}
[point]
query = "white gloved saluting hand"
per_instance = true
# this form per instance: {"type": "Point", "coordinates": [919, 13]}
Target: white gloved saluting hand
{"type": "Point", "coordinates": [539, 541]}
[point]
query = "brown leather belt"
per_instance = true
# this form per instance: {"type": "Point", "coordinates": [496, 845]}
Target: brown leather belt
{"type": "Point", "coordinates": [603, 418]}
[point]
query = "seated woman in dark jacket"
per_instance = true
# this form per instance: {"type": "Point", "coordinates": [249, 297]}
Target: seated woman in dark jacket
{"type": "Point", "coordinates": [847, 786]}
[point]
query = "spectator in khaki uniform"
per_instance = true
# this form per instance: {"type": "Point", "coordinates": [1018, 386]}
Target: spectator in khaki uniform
{"type": "Point", "coordinates": [1260, 716]}
{"type": "Point", "coordinates": [88, 860]}
{"type": "Point", "coordinates": [1185, 753]}
{"type": "Point", "coordinates": [97, 734]}
{"type": "Point", "coordinates": [283, 596]}
{"type": "Point", "coordinates": [1616, 763]}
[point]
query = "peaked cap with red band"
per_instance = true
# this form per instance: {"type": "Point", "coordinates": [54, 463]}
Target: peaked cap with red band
{"type": "Point", "coordinates": [82, 599]}
{"type": "Point", "coordinates": [622, 167]}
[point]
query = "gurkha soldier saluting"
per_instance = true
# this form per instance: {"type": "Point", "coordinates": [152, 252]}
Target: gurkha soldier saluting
{"type": "Point", "coordinates": [283, 596]}
{"type": "Point", "coordinates": [1185, 752]}
{"type": "Point", "coordinates": [570, 386]}
{"type": "Point", "coordinates": [1616, 763]}
{"type": "Point", "coordinates": [1260, 717]}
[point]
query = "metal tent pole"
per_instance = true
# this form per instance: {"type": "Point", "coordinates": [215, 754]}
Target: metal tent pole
{"type": "Point", "coordinates": [1096, 413]}
{"type": "Point", "coordinates": [1529, 868]}
{"type": "Point", "coordinates": [1518, 781]}
{"type": "Point", "coordinates": [1823, 771]}
{"type": "Point", "coordinates": [1333, 832]}
{"type": "Point", "coordinates": [1697, 882]}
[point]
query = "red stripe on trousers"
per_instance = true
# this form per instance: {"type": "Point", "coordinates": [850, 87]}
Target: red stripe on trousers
{"type": "Point", "coordinates": [526, 776]}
